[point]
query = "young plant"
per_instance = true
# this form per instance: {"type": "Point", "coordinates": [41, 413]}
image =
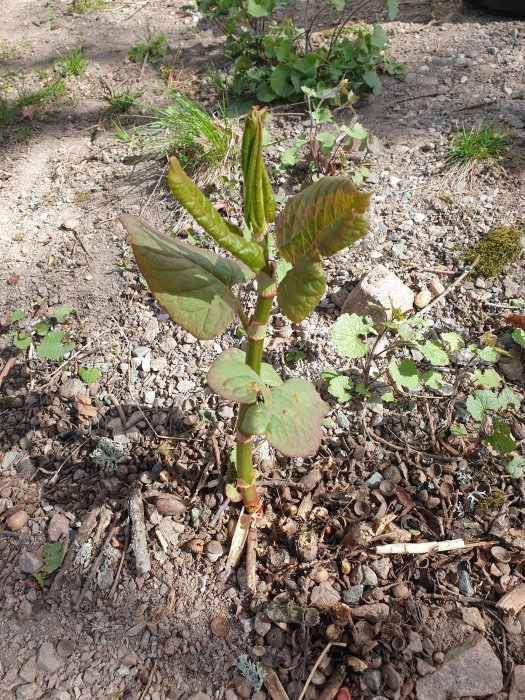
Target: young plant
{"type": "Point", "coordinates": [195, 286]}
{"type": "Point", "coordinates": [152, 51]}
{"type": "Point", "coordinates": [481, 144]}
{"type": "Point", "coordinates": [74, 64]}
{"type": "Point", "coordinates": [47, 339]}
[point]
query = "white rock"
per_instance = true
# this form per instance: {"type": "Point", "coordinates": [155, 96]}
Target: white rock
{"type": "Point", "coordinates": [70, 224]}
{"type": "Point", "coordinates": [382, 288]}
{"type": "Point", "coordinates": [436, 287]}
{"type": "Point", "coordinates": [423, 298]}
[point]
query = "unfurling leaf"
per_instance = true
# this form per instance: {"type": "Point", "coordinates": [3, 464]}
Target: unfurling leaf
{"type": "Point", "coordinates": [89, 375]}
{"type": "Point", "coordinates": [205, 214]}
{"type": "Point", "coordinates": [301, 289]}
{"type": "Point", "coordinates": [404, 373]}
{"type": "Point", "coordinates": [346, 332]}
{"type": "Point", "coordinates": [501, 439]}
{"type": "Point", "coordinates": [192, 285]}
{"type": "Point", "coordinates": [295, 428]}
{"type": "Point", "coordinates": [233, 380]}
{"type": "Point", "coordinates": [257, 417]}
{"type": "Point", "coordinates": [340, 388]}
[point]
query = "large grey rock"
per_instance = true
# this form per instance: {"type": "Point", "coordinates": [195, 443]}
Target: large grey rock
{"type": "Point", "coordinates": [471, 669]}
{"type": "Point", "coordinates": [379, 288]}
{"type": "Point", "coordinates": [517, 685]}
{"type": "Point", "coordinates": [48, 659]}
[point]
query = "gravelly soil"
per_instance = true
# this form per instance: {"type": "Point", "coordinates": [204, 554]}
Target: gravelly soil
{"type": "Point", "coordinates": [61, 191]}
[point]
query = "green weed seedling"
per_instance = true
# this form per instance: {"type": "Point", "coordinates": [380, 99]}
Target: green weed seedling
{"type": "Point", "coordinates": [152, 51]}
{"type": "Point", "coordinates": [121, 102]}
{"type": "Point", "coordinates": [49, 341]}
{"type": "Point", "coordinates": [12, 112]}
{"type": "Point", "coordinates": [74, 64]}
{"type": "Point", "coordinates": [196, 288]}
{"type": "Point", "coordinates": [84, 7]}
{"type": "Point", "coordinates": [481, 144]}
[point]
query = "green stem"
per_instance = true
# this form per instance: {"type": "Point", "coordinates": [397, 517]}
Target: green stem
{"type": "Point", "coordinates": [254, 352]}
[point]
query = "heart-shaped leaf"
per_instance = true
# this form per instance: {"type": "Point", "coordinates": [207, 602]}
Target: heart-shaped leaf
{"type": "Point", "coordinates": [501, 439]}
{"type": "Point", "coordinates": [192, 285]}
{"type": "Point", "coordinates": [323, 218]}
{"type": "Point", "coordinates": [295, 428]}
{"type": "Point", "coordinates": [205, 214]}
{"type": "Point", "coordinates": [52, 348]}
{"type": "Point", "coordinates": [233, 380]}
{"type": "Point", "coordinates": [301, 289]}
{"type": "Point", "coordinates": [89, 375]}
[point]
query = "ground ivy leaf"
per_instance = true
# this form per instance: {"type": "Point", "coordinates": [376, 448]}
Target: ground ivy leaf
{"type": "Point", "coordinates": [51, 346]}
{"type": "Point", "coordinates": [404, 373]}
{"type": "Point", "coordinates": [340, 388]}
{"type": "Point", "coordinates": [488, 353]}
{"type": "Point", "coordinates": [501, 439]}
{"type": "Point", "coordinates": [60, 313]}
{"type": "Point", "coordinates": [432, 379]}
{"type": "Point", "coordinates": [345, 334]}
{"type": "Point", "coordinates": [295, 428]}
{"type": "Point", "coordinates": [89, 375]}
{"type": "Point", "coordinates": [434, 353]}
{"type": "Point", "coordinates": [518, 335]}
{"type": "Point", "coordinates": [488, 379]}
{"type": "Point", "coordinates": [52, 554]}
{"type": "Point", "coordinates": [507, 398]}
{"type": "Point", "coordinates": [480, 402]}
{"type": "Point", "coordinates": [387, 397]}
{"type": "Point", "coordinates": [454, 341]}
{"type": "Point", "coordinates": [22, 340]}
{"type": "Point", "coordinates": [17, 316]}
{"type": "Point", "coordinates": [280, 81]}
{"type": "Point", "coordinates": [516, 468]}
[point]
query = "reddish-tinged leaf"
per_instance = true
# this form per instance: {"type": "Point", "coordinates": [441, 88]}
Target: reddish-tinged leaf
{"type": "Point", "coordinates": [301, 289]}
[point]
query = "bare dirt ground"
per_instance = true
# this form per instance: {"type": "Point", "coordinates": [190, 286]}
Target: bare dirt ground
{"type": "Point", "coordinates": [98, 629]}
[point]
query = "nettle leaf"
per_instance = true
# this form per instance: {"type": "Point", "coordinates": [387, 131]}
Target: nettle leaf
{"type": "Point", "coordinates": [194, 286]}
{"type": "Point", "coordinates": [508, 398]}
{"type": "Point", "coordinates": [52, 348]}
{"type": "Point", "coordinates": [295, 428]}
{"type": "Point", "coordinates": [404, 373]}
{"type": "Point", "coordinates": [480, 402]}
{"type": "Point", "coordinates": [340, 387]}
{"type": "Point", "coordinates": [518, 335]}
{"type": "Point", "coordinates": [432, 379]}
{"type": "Point", "coordinates": [232, 379]}
{"type": "Point", "coordinates": [22, 340]}
{"type": "Point", "coordinates": [378, 39]}
{"type": "Point", "coordinates": [434, 353]}
{"type": "Point", "coordinates": [488, 379]}
{"type": "Point", "coordinates": [488, 353]}
{"type": "Point", "coordinates": [89, 375]}
{"type": "Point", "coordinates": [357, 131]}
{"type": "Point", "coordinates": [501, 439]}
{"type": "Point", "coordinates": [60, 313]}
{"type": "Point", "coordinates": [454, 341]}
{"type": "Point", "coordinates": [324, 218]}
{"type": "Point", "coordinates": [371, 79]}
{"type": "Point", "coordinates": [301, 289]}
{"type": "Point", "coordinates": [393, 8]}
{"type": "Point", "coordinates": [516, 468]}
{"type": "Point", "coordinates": [228, 236]}
{"type": "Point", "coordinates": [346, 332]}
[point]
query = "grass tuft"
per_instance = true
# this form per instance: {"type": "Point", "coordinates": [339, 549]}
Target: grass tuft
{"type": "Point", "coordinates": [12, 112]}
{"type": "Point", "coordinates": [502, 247]}
{"type": "Point", "coordinates": [74, 64]}
{"type": "Point", "coordinates": [121, 102]}
{"type": "Point", "coordinates": [83, 7]}
{"type": "Point", "coordinates": [481, 144]}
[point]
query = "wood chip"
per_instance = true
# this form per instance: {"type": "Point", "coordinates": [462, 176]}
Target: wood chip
{"type": "Point", "coordinates": [240, 534]}
{"type": "Point", "coordinates": [427, 547]}
{"type": "Point", "coordinates": [273, 684]}
{"type": "Point", "coordinates": [139, 542]}
{"type": "Point", "coordinates": [513, 601]}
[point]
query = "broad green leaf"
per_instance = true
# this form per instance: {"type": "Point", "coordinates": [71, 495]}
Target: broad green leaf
{"type": "Point", "coordinates": [280, 80]}
{"type": "Point", "coordinates": [60, 313]}
{"type": "Point", "coordinates": [291, 156]}
{"type": "Point", "coordinates": [518, 335]}
{"type": "Point", "coordinates": [487, 379]}
{"type": "Point", "coordinates": [265, 92]}
{"type": "Point", "coordinates": [480, 402]}
{"type": "Point", "coordinates": [295, 428]}
{"type": "Point", "coordinates": [302, 288]}
{"type": "Point", "coordinates": [322, 219]}
{"type": "Point", "coordinates": [393, 8]}
{"type": "Point", "coordinates": [372, 80]}
{"type": "Point", "coordinates": [488, 353]}
{"type": "Point", "coordinates": [404, 373]}
{"type": "Point", "coordinates": [192, 285]}
{"type": "Point", "coordinates": [205, 214]}
{"type": "Point", "coordinates": [516, 468]}
{"type": "Point", "coordinates": [357, 131]}
{"type": "Point", "coordinates": [281, 269]}
{"type": "Point", "coordinates": [42, 328]}
{"type": "Point", "coordinates": [233, 380]}
{"type": "Point", "coordinates": [322, 115]}
{"type": "Point", "coordinates": [17, 315]}
{"type": "Point", "coordinates": [89, 375]}
{"type": "Point", "coordinates": [22, 340]}
{"type": "Point", "coordinates": [346, 332]}
{"type": "Point", "coordinates": [453, 340]}
{"type": "Point", "coordinates": [256, 9]}
{"type": "Point", "coordinates": [268, 375]}
{"type": "Point", "coordinates": [458, 430]}
{"type": "Point", "coordinates": [340, 388]}
{"type": "Point", "coordinates": [52, 554]}
{"type": "Point", "coordinates": [501, 439]}
{"type": "Point", "coordinates": [52, 348]}
{"type": "Point", "coordinates": [404, 331]}
{"type": "Point", "coordinates": [378, 39]}
{"type": "Point", "coordinates": [432, 379]}
{"type": "Point", "coordinates": [339, 5]}
{"type": "Point", "coordinates": [387, 397]}
{"type": "Point", "coordinates": [434, 354]}
{"type": "Point", "coordinates": [257, 417]}
{"type": "Point", "coordinates": [507, 398]}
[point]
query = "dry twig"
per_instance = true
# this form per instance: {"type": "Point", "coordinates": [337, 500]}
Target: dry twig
{"type": "Point", "coordinates": [139, 542]}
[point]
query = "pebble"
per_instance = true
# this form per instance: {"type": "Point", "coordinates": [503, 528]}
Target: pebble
{"type": "Point", "coordinates": [423, 667]}
{"type": "Point", "coordinates": [71, 388]}
{"type": "Point", "coordinates": [29, 670]}
{"type": "Point", "coordinates": [70, 224]}
{"type": "Point", "coordinates": [324, 596]}
{"type": "Point", "coordinates": [5, 504]}
{"type": "Point", "coordinates": [149, 396]}
{"type": "Point", "coordinates": [374, 480]}
{"type": "Point", "coordinates": [352, 595]}
{"type": "Point", "coordinates": [58, 528]}
{"type": "Point", "coordinates": [220, 626]}
{"type": "Point", "coordinates": [48, 660]}
{"type": "Point", "coordinates": [199, 696]}
{"type": "Point", "coordinates": [214, 551]}
{"type": "Point", "coordinates": [436, 287]}
{"type": "Point", "coordinates": [369, 576]}
{"type": "Point", "coordinates": [243, 687]}
{"type": "Point", "coordinates": [310, 480]}
{"type": "Point", "coordinates": [511, 368]}
{"type": "Point", "coordinates": [262, 624]}
{"type": "Point", "coordinates": [373, 679]}
{"type": "Point", "coordinates": [185, 386]}
{"type": "Point", "coordinates": [28, 691]}
{"type": "Point", "coordinates": [169, 504]}
{"type": "Point", "coordinates": [472, 617]}
{"type": "Point", "coordinates": [29, 562]}
{"type": "Point", "coordinates": [423, 298]}
{"type": "Point", "coordinates": [141, 351]}
{"type": "Point", "coordinates": [400, 590]}
{"type": "Point", "coordinates": [17, 520]}
{"type": "Point", "coordinates": [381, 567]}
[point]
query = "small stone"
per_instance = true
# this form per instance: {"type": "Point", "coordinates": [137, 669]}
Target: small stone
{"type": "Point", "coordinates": [381, 567]}
{"type": "Point", "coordinates": [373, 679]}
{"type": "Point", "coordinates": [374, 480]}
{"type": "Point", "coordinates": [5, 504]}
{"type": "Point", "coordinates": [146, 363]}
{"type": "Point", "coordinates": [220, 626]}
{"type": "Point", "coordinates": [392, 678]}
{"type": "Point", "coordinates": [436, 287]}
{"type": "Point", "coordinates": [517, 684]}
{"type": "Point", "coordinates": [379, 288]}
{"type": "Point", "coordinates": [352, 595]}
{"type": "Point", "coordinates": [70, 388]}
{"type": "Point", "coordinates": [29, 562]}
{"type": "Point", "coordinates": [66, 648]}
{"type": "Point", "coordinates": [262, 624]}
{"type": "Point", "coordinates": [471, 669]}
{"type": "Point", "coordinates": [423, 667]}
{"type": "Point", "coordinates": [243, 687]}
{"type": "Point", "coordinates": [324, 596]}
{"type": "Point", "coordinates": [369, 576]}
{"type": "Point", "coordinates": [29, 691]}
{"type": "Point", "coordinates": [199, 696]}
{"type": "Point", "coordinates": [423, 298]}
{"type": "Point", "coordinates": [149, 396]}
{"type": "Point", "coordinates": [185, 386]}
{"type": "Point", "coordinates": [26, 469]}
{"type": "Point", "coordinates": [372, 613]}
{"type": "Point", "coordinates": [141, 351]}
{"type": "Point", "coordinates": [214, 551]}
{"type": "Point", "coordinates": [17, 520]}
{"type": "Point", "coordinates": [400, 590]}
{"type": "Point", "coordinates": [70, 224]}
{"type": "Point", "coordinates": [511, 368]}
{"type": "Point", "coordinates": [310, 480]}
{"type": "Point", "coordinates": [29, 670]}
{"type": "Point", "coordinates": [48, 660]}
{"type": "Point", "coordinates": [58, 528]}
{"type": "Point", "coordinates": [319, 575]}
{"type": "Point", "coordinates": [169, 504]}
{"type": "Point", "coordinates": [472, 617]}
{"type": "Point", "coordinates": [159, 364]}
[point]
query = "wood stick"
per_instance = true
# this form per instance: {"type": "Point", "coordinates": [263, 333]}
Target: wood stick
{"type": "Point", "coordinates": [150, 678]}
{"type": "Point", "coordinates": [139, 542]}
{"type": "Point", "coordinates": [251, 557]}
{"type": "Point", "coordinates": [513, 601]}
{"type": "Point", "coordinates": [121, 562]}
{"type": "Point", "coordinates": [240, 535]}
{"type": "Point", "coordinates": [428, 547]}
{"type": "Point", "coordinates": [335, 682]}
{"type": "Point", "coordinates": [273, 684]}
{"type": "Point", "coordinates": [316, 666]}
{"type": "Point", "coordinates": [116, 403]}
{"type": "Point", "coordinates": [7, 368]}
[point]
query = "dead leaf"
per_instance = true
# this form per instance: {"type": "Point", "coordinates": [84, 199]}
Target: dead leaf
{"type": "Point", "coordinates": [84, 407]}
{"type": "Point", "coordinates": [516, 320]}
